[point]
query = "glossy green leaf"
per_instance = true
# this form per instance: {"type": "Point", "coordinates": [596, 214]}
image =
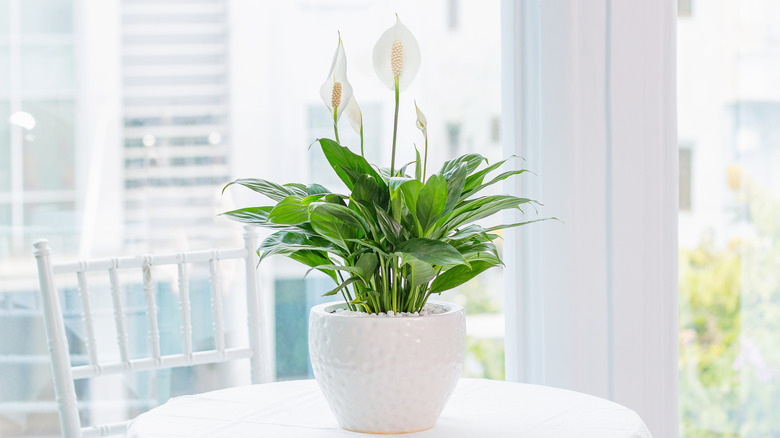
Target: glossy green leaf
{"type": "Point", "coordinates": [455, 182]}
{"type": "Point", "coordinates": [476, 178]}
{"type": "Point", "coordinates": [458, 275]}
{"type": "Point", "coordinates": [498, 178]}
{"type": "Point", "coordinates": [472, 161]}
{"type": "Point", "coordinates": [366, 265]}
{"type": "Point", "coordinates": [272, 190]}
{"type": "Point", "coordinates": [315, 259]}
{"type": "Point", "coordinates": [431, 251]}
{"type": "Point", "coordinates": [419, 167]}
{"type": "Point", "coordinates": [431, 201]}
{"type": "Point", "coordinates": [341, 286]}
{"type": "Point", "coordinates": [341, 158]}
{"type": "Point", "coordinates": [250, 215]}
{"type": "Point", "coordinates": [367, 189]}
{"type": "Point", "coordinates": [335, 222]}
{"type": "Point", "coordinates": [299, 188]}
{"type": "Point", "coordinates": [316, 189]}
{"type": "Point", "coordinates": [518, 224]}
{"type": "Point", "coordinates": [469, 232]}
{"type": "Point", "coordinates": [470, 211]}
{"type": "Point", "coordinates": [289, 211]}
{"type": "Point", "coordinates": [485, 252]}
{"type": "Point", "coordinates": [287, 242]}
{"type": "Point", "coordinates": [422, 272]}
{"type": "Point", "coordinates": [390, 228]}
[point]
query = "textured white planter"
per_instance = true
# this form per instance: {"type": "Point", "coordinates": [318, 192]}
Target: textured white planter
{"type": "Point", "coordinates": [387, 375]}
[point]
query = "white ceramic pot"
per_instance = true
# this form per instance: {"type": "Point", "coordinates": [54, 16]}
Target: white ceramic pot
{"type": "Point", "coordinates": [387, 374]}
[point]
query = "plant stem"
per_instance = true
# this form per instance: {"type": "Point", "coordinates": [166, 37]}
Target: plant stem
{"type": "Point", "coordinates": [361, 139]}
{"type": "Point", "coordinates": [335, 123]}
{"type": "Point", "coordinates": [395, 127]}
{"type": "Point", "coordinates": [345, 293]}
{"type": "Point", "coordinates": [425, 161]}
{"type": "Point", "coordinates": [395, 284]}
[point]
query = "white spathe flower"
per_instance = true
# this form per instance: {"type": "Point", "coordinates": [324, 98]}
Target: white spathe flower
{"type": "Point", "coordinates": [396, 54]}
{"type": "Point", "coordinates": [354, 115]}
{"type": "Point", "coordinates": [336, 92]}
{"type": "Point", "coordinates": [422, 122]}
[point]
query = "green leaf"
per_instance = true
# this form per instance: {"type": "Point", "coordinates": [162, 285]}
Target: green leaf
{"type": "Point", "coordinates": [500, 177]}
{"type": "Point", "coordinates": [342, 213]}
{"type": "Point", "coordinates": [299, 188]}
{"type": "Point", "coordinates": [470, 211]}
{"type": "Point", "coordinates": [485, 252]}
{"type": "Point", "coordinates": [367, 189]}
{"type": "Point", "coordinates": [519, 224]}
{"type": "Point", "coordinates": [418, 169]}
{"type": "Point", "coordinates": [396, 182]}
{"type": "Point", "coordinates": [316, 189]}
{"type": "Point", "coordinates": [366, 265]}
{"type": "Point", "coordinates": [341, 158]}
{"type": "Point", "coordinates": [432, 251]}
{"type": "Point", "coordinates": [458, 275]}
{"type": "Point", "coordinates": [267, 188]}
{"type": "Point", "coordinates": [422, 272]}
{"type": "Point", "coordinates": [472, 161]}
{"type": "Point", "coordinates": [476, 179]}
{"type": "Point", "coordinates": [314, 259]}
{"type": "Point", "coordinates": [370, 244]}
{"type": "Point", "coordinates": [288, 242]}
{"type": "Point", "coordinates": [341, 286]}
{"type": "Point", "coordinates": [390, 228]}
{"type": "Point", "coordinates": [289, 211]}
{"type": "Point", "coordinates": [455, 182]}
{"type": "Point", "coordinates": [250, 215]}
{"type": "Point", "coordinates": [335, 222]}
{"type": "Point", "coordinates": [468, 232]}
{"type": "Point", "coordinates": [431, 201]}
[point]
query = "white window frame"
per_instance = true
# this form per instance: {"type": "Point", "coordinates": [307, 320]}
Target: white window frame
{"type": "Point", "coordinates": [589, 102]}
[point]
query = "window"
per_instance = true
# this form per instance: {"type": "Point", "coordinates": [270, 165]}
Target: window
{"type": "Point", "coordinates": [729, 239]}
{"type": "Point", "coordinates": [684, 8]}
{"type": "Point", "coordinates": [452, 14]}
{"type": "Point", "coordinates": [137, 164]}
{"type": "Point", "coordinates": [685, 177]}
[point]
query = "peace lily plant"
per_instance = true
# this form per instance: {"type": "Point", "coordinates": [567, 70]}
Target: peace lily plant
{"type": "Point", "coordinates": [395, 239]}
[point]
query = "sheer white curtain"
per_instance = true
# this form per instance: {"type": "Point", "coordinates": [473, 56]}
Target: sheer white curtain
{"type": "Point", "coordinates": [590, 102]}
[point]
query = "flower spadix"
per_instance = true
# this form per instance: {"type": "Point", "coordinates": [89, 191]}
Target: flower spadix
{"type": "Point", "coordinates": [396, 54]}
{"type": "Point", "coordinates": [336, 92]}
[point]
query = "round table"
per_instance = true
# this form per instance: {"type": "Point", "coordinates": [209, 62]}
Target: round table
{"type": "Point", "coordinates": [478, 408]}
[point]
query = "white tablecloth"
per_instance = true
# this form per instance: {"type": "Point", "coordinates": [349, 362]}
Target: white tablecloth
{"type": "Point", "coordinates": [478, 408]}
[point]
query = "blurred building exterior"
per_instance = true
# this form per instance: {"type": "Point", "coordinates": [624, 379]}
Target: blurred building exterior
{"type": "Point", "coordinates": [143, 109]}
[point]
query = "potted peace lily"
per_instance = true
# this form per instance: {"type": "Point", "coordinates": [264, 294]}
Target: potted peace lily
{"type": "Point", "coordinates": [386, 357]}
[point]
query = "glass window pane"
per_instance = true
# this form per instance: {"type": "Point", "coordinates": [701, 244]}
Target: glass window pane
{"type": "Point", "coordinates": [5, 147]}
{"type": "Point", "coordinates": [5, 69]}
{"type": "Point", "coordinates": [4, 22]}
{"type": "Point", "coordinates": [5, 232]}
{"type": "Point", "coordinates": [54, 221]}
{"type": "Point", "coordinates": [47, 16]}
{"type": "Point", "coordinates": [48, 147]}
{"type": "Point", "coordinates": [47, 67]}
{"type": "Point", "coordinates": [729, 104]}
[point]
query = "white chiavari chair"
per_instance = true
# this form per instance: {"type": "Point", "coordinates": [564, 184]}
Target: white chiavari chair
{"type": "Point", "coordinates": [65, 373]}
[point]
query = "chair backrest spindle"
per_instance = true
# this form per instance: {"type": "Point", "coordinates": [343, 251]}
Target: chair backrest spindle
{"type": "Point", "coordinates": [86, 309]}
{"type": "Point", "coordinates": [216, 304]}
{"type": "Point", "coordinates": [184, 307]}
{"type": "Point", "coordinates": [64, 387]}
{"type": "Point", "coordinates": [119, 313]}
{"type": "Point", "coordinates": [151, 308]}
